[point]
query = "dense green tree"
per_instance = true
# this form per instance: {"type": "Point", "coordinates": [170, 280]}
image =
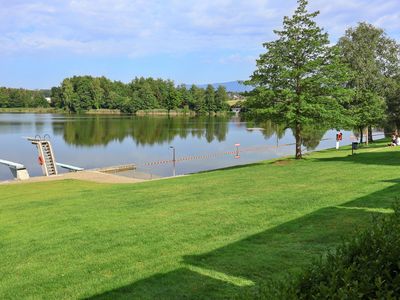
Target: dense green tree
{"type": "Point", "coordinates": [96, 93]}
{"type": "Point", "coordinates": [374, 60]}
{"type": "Point", "coordinates": [56, 97]}
{"type": "Point", "coordinates": [130, 104]}
{"type": "Point", "coordinates": [184, 97]}
{"type": "Point", "coordinates": [393, 103]}
{"type": "Point", "coordinates": [299, 80]}
{"type": "Point", "coordinates": [173, 99]}
{"type": "Point", "coordinates": [190, 97]}
{"type": "Point", "coordinates": [198, 97]}
{"type": "Point", "coordinates": [159, 89]}
{"type": "Point", "coordinates": [17, 98]}
{"type": "Point", "coordinates": [83, 90]}
{"type": "Point", "coordinates": [69, 98]}
{"type": "Point", "coordinates": [107, 88]}
{"type": "Point", "coordinates": [209, 97]}
{"type": "Point", "coordinates": [4, 101]}
{"type": "Point", "coordinates": [221, 98]}
{"type": "Point", "coordinates": [113, 100]}
{"type": "Point", "coordinates": [38, 100]}
{"type": "Point", "coordinates": [147, 96]}
{"type": "Point", "coordinates": [10, 97]}
{"type": "Point", "coordinates": [367, 109]}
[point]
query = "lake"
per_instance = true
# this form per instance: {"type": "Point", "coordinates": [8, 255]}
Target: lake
{"type": "Point", "coordinates": [201, 143]}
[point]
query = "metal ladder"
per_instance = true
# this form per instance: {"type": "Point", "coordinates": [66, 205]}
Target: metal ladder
{"type": "Point", "coordinates": [46, 155]}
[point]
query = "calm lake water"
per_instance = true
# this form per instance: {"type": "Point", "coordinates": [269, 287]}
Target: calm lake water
{"type": "Point", "coordinates": [100, 141]}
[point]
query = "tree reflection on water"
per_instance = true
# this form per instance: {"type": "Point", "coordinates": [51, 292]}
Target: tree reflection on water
{"type": "Point", "coordinates": [146, 130]}
{"type": "Point", "coordinates": [312, 134]}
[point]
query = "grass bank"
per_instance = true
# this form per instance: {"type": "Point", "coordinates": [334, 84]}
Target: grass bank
{"type": "Point", "coordinates": [39, 110]}
{"type": "Point", "coordinates": [211, 235]}
{"type": "Point", "coordinates": [103, 112]}
{"type": "Point", "coordinates": [177, 112]}
{"type": "Point", "coordinates": [152, 112]}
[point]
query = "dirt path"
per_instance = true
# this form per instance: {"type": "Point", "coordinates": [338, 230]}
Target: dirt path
{"type": "Point", "coordinates": [93, 176]}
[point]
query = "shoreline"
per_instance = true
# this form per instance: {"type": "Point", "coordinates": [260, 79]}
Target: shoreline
{"type": "Point", "coordinates": [35, 110]}
{"type": "Point", "coordinates": [101, 175]}
{"type": "Point", "coordinates": [116, 112]}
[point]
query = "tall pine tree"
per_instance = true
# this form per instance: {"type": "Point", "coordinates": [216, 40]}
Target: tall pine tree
{"type": "Point", "coordinates": [300, 80]}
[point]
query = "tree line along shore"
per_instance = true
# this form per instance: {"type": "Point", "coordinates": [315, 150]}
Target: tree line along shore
{"type": "Point", "coordinates": [102, 95]}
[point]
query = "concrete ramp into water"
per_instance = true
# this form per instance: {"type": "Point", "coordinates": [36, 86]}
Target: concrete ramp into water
{"type": "Point", "coordinates": [93, 176]}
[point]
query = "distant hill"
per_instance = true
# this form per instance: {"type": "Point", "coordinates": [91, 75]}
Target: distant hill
{"type": "Point", "coordinates": [231, 86]}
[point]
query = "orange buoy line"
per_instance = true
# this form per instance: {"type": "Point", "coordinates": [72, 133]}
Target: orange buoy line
{"type": "Point", "coordinates": [214, 155]}
{"type": "Point", "coordinates": [261, 148]}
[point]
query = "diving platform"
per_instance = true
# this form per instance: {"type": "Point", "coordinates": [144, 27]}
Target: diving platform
{"type": "Point", "coordinates": [19, 171]}
{"type": "Point", "coordinates": [116, 169]}
{"type": "Point", "coordinates": [69, 167]}
{"type": "Point", "coordinates": [46, 157]}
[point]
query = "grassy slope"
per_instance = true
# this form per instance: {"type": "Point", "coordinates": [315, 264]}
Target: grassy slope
{"type": "Point", "coordinates": [31, 110]}
{"type": "Point", "coordinates": [209, 235]}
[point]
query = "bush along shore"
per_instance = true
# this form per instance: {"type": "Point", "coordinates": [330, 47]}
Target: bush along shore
{"type": "Point", "coordinates": [364, 267]}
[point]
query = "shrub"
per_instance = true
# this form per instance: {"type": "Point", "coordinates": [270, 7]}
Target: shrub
{"type": "Point", "coordinates": [366, 267]}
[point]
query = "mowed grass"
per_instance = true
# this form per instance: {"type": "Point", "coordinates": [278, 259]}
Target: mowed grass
{"type": "Point", "coordinates": [211, 235]}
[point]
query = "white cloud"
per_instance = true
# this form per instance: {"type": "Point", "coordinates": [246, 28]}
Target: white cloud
{"type": "Point", "coordinates": [336, 16]}
{"type": "Point", "coordinates": [134, 28]}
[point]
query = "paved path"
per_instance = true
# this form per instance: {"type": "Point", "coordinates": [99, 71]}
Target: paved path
{"type": "Point", "coordinates": [93, 176]}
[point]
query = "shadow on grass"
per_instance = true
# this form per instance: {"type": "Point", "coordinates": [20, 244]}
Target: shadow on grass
{"type": "Point", "coordinates": [278, 161]}
{"type": "Point", "coordinates": [232, 167]}
{"type": "Point", "coordinates": [272, 254]}
{"type": "Point", "coordinates": [368, 158]}
{"type": "Point", "coordinates": [181, 283]}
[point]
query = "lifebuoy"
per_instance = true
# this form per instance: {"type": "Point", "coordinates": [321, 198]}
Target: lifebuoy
{"type": "Point", "coordinates": [41, 160]}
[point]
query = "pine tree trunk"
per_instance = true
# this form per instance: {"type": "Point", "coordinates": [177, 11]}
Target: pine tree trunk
{"type": "Point", "coordinates": [361, 135]}
{"type": "Point", "coordinates": [298, 141]}
{"type": "Point", "coordinates": [370, 134]}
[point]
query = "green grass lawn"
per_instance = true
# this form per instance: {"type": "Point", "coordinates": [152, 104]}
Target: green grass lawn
{"type": "Point", "coordinates": [211, 235]}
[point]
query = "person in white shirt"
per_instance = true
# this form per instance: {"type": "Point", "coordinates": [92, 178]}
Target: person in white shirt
{"type": "Point", "coordinates": [397, 140]}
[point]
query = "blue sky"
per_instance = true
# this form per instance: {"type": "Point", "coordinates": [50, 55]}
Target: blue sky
{"type": "Point", "coordinates": [42, 42]}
